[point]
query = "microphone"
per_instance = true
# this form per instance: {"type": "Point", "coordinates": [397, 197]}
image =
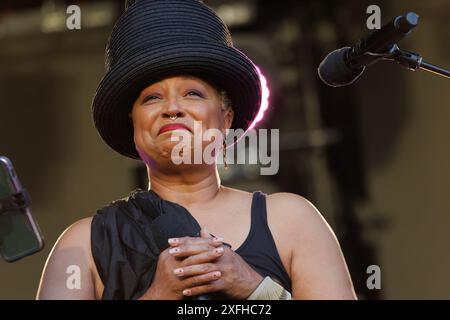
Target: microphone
{"type": "Point", "coordinates": [343, 66]}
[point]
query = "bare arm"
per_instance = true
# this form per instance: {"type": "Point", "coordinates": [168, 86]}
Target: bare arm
{"type": "Point", "coordinates": [68, 272]}
{"type": "Point", "coordinates": [318, 268]}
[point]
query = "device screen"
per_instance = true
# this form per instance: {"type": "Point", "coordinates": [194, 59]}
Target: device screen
{"type": "Point", "coordinates": [19, 233]}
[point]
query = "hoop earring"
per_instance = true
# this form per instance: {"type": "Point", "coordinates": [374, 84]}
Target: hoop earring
{"type": "Point", "coordinates": [225, 155]}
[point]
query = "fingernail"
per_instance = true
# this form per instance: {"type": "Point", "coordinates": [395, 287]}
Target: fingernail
{"type": "Point", "coordinates": [178, 271]}
{"type": "Point", "coordinates": [187, 292]}
{"type": "Point", "coordinates": [174, 250]}
{"type": "Point", "coordinates": [173, 241]}
{"type": "Point", "coordinates": [219, 250]}
{"type": "Point", "coordinates": [218, 239]}
{"type": "Point", "coordinates": [217, 274]}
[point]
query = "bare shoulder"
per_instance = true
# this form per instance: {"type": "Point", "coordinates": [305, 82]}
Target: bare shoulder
{"type": "Point", "coordinates": [293, 212]}
{"type": "Point", "coordinates": [75, 239]}
{"type": "Point", "coordinates": [317, 265]}
{"type": "Point", "coordinates": [77, 234]}
{"type": "Point", "coordinates": [71, 256]}
{"type": "Point", "coordinates": [288, 201]}
{"type": "Point", "coordinates": [292, 220]}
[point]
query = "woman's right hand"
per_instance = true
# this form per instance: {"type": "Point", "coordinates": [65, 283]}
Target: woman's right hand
{"type": "Point", "coordinates": [169, 283]}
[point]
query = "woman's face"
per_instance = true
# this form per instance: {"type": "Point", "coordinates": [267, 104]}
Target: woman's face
{"type": "Point", "coordinates": [190, 99]}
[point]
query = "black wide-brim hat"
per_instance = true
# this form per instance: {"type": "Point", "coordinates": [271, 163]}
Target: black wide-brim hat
{"type": "Point", "coordinates": [155, 39]}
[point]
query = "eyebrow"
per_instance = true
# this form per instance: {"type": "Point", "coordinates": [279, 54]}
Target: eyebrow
{"type": "Point", "coordinates": [187, 77]}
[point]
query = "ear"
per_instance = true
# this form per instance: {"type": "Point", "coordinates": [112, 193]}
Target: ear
{"type": "Point", "coordinates": [228, 118]}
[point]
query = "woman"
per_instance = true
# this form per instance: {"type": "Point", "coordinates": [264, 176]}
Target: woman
{"type": "Point", "coordinates": [175, 62]}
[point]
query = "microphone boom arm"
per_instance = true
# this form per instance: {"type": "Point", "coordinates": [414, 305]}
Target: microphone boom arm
{"type": "Point", "coordinates": [409, 60]}
{"type": "Point", "coordinates": [414, 61]}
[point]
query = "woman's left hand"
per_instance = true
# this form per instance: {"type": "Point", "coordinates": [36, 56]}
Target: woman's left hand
{"type": "Point", "coordinates": [237, 281]}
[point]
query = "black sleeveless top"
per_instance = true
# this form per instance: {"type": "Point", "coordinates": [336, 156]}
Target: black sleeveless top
{"type": "Point", "coordinates": [128, 235]}
{"type": "Point", "coordinates": [259, 249]}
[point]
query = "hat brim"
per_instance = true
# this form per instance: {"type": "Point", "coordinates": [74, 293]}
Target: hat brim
{"type": "Point", "coordinates": [229, 68]}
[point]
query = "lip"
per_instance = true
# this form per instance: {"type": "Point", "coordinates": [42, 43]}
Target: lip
{"type": "Point", "coordinates": [173, 126]}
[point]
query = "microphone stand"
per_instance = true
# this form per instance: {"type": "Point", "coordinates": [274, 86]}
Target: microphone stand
{"type": "Point", "coordinates": [414, 61]}
{"type": "Point", "coordinates": [408, 59]}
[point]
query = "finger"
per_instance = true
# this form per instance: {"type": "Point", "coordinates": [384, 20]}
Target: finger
{"type": "Point", "coordinates": [177, 241]}
{"type": "Point", "coordinates": [200, 280]}
{"type": "Point", "coordinates": [184, 251]}
{"type": "Point", "coordinates": [214, 286]}
{"type": "Point", "coordinates": [196, 269]}
{"type": "Point", "coordinates": [203, 257]}
{"type": "Point", "coordinates": [213, 241]}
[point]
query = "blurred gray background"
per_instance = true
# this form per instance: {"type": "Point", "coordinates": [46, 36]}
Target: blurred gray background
{"type": "Point", "coordinates": [373, 157]}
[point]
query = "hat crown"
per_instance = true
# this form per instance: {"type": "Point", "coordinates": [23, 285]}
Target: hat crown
{"type": "Point", "coordinates": [156, 39]}
{"type": "Point", "coordinates": [147, 22]}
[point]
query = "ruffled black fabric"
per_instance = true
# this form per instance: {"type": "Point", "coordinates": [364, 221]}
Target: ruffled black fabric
{"type": "Point", "coordinates": [127, 237]}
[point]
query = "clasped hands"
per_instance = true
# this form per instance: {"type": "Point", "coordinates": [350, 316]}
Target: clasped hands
{"type": "Point", "coordinates": [194, 266]}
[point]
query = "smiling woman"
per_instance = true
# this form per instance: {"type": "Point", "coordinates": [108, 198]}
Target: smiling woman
{"type": "Point", "coordinates": [172, 104]}
{"type": "Point", "coordinates": [171, 64]}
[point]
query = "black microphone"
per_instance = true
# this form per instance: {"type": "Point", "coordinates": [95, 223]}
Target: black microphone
{"type": "Point", "coordinates": [343, 66]}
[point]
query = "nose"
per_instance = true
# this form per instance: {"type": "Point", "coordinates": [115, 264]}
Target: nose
{"type": "Point", "coordinates": [172, 115]}
{"type": "Point", "coordinates": [172, 108]}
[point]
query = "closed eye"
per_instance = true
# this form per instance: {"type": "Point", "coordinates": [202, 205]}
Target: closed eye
{"type": "Point", "coordinates": [194, 93]}
{"type": "Point", "coordinates": [149, 98]}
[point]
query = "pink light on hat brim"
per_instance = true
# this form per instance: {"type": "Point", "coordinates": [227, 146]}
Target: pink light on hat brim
{"type": "Point", "coordinates": [264, 99]}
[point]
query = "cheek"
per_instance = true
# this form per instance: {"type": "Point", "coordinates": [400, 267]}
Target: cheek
{"type": "Point", "coordinates": [209, 115]}
{"type": "Point", "coordinates": [143, 120]}
{"type": "Point", "coordinates": [142, 124]}
{"type": "Point", "coordinates": [141, 137]}
{"type": "Point", "coordinates": [146, 147]}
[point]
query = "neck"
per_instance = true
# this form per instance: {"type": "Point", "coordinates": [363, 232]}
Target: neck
{"type": "Point", "coordinates": [186, 187]}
